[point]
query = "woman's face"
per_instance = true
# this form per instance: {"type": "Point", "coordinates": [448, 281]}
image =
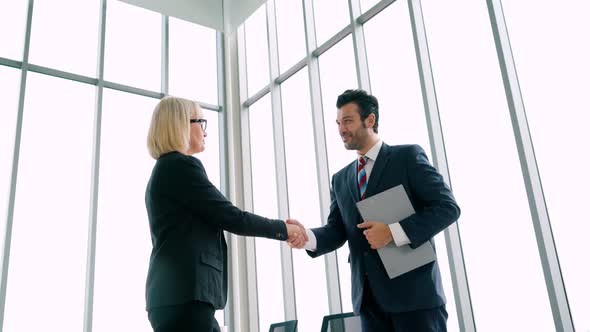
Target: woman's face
{"type": "Point", "coordinates": [197, 142]}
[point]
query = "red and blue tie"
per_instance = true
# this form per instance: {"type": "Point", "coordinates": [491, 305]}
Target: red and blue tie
{"type": "Point", "coordinates": [362, 176]}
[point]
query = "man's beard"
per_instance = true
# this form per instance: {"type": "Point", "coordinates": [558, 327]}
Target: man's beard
{"type": "Point", "coordinates": [354, 144]}
{"type": "Point", "coordinates": [356, 139]}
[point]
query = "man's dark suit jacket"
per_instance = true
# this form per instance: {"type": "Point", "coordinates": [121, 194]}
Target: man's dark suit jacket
{"type": "Point", "coordinates": [435, 209]}
{"type": "Point", "coordinates": [187, 217]}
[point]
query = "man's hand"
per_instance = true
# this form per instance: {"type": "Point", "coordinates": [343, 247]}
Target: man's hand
{"type": "Point", "coordinates": [296, 242]}
{"type": "Point", "coordinates": [377, 233]}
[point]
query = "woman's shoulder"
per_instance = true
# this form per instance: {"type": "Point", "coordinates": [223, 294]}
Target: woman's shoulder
{"type": "Point", "coordinates": [177, 160]}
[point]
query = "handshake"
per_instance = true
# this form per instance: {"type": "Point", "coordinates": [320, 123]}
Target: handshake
{"type": "Point", "coordinates": [297, 234]}
{"type": "Point", "coordinates": [377, 234]}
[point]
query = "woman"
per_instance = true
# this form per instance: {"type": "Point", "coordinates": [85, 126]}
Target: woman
{"type": "Point", "coordinates": [187, 277]}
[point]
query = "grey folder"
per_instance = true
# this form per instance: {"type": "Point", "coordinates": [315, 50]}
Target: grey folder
{"type": "Point", "coordinates": [391, 206]}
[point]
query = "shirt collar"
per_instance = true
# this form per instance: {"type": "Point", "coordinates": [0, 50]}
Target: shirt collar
{"type": "Point", "coordinates": [374, 150]}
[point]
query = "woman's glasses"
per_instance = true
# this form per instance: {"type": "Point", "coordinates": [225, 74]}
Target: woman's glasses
{"type": "Point", "coordinates": [202, 122]}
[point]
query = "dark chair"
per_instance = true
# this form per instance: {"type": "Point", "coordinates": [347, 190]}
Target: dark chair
{"type": "Point", "coordinates": [288, 326]}
{"type": "Point", "coordinates": [346, 322]}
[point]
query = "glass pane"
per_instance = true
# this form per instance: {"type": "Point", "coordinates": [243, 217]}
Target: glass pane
{"type": "Point", "coordinates": [13, 23]}
{"type": "Point", "coordinates": [394, 77]}
{"type": "Point", "coordinates": [52, 204]}
{"type": "Point", "coordinates": [9, 93]}
{"type": "Point", "coordinates": [330, 16]}
{"type": "Point", "coordinates": [193, 61]}
{"type": "Point", "coordinates": [135, 63]}
{"type": "Point", "coordinates": [210, 157]}
{"type": "Point", "coordinates": [123, 242]}
{"type": "Point", "coordinates": [485, 170]}
{"type": "Point", "coordinates": [368, 4]}
{"type": "Point", "coordinates": [337, 72]}
{"type": "Point", "coordinates": [219, 316]}
{"type": "Point", "coordinates": [257, 51]}
{"type": "Point", "coordinates": [64, 35]}
{"type": "Point", "coordinates": [291, 33]}
{"type": "Point", "coordinates": [557, 113]}
{"type": "Point", "coordinates": [396, 84]}
{"type": "Point", "coordinates": [268, 252]}
{"type": "Point", "coordinates": [310, 274]}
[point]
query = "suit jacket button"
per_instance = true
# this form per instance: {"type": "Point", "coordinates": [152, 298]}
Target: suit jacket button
{"type": "Point", "coordinates": [366, 253]}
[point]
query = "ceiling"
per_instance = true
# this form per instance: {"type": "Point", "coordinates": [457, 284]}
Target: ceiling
{"type": "Point", "coordinates": [221, 15]}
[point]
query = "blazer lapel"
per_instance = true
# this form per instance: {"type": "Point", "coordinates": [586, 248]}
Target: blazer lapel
{"type": "Point", "coordinates": [378, 168]}
{"type": "Point", "coordinates": [352, 182]}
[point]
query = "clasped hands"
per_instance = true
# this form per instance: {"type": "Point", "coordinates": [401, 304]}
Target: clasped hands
{"type": "Point", "coordinates": [378, 234]}
{"type": "Point", "coordinates": [297, 237]}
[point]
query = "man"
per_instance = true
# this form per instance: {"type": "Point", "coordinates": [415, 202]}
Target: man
{"type": "Point", "coordinates": [414, 301]}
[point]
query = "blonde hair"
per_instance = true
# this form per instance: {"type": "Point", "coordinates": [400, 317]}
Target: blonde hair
{"type": "Point", "coordinates": [170, 127]}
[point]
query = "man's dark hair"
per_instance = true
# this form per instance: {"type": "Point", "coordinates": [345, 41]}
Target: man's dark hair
{"type": "Point", "coordinates": [367, 104]}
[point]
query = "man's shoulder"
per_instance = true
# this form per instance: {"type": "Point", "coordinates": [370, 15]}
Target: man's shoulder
{"type": "Point", "coordinates": [343, 171]}
{"type": "Point", "coordinates": [404, 148]}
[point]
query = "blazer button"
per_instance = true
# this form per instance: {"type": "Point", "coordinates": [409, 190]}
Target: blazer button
{"type": "Point", "coordinates": [366, 253]}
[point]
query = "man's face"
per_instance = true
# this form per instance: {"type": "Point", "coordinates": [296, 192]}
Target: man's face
{"type": "Point", "coordinates": [354, 132]}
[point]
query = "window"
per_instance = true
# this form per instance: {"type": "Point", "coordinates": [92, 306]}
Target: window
{"type": "Point", "coordinates": [395, 82]}
{"type": "Point", "coordinates": [64, 35]}
{"type": "Point", "coordinates": [193, 61]}
{"type": "Point", "coordinates": [330, 16]}
{"type": "Point", "coordinates": [257, 65]}
{"type": "Point", "coordinates": [133, 51]}
{"type": "Point", "coordinates": [394, 77]}
{"type": "Point", "coordinates": [50, 226]}
{"type": "Point", "coordinates": [123, 242]}
{"type": "Point", "coordinates": [290, 32]}
{"type": "Point", "coordinates": [310, 275]}
{"type": "Point", "coordinates": [368, 4]}
{"type": "Point", "coordinates": [48, 249]}
{"type": "Point", "coordinates": [268, 252]}
{"type": "Point", "coordinates": [553, 71]}
{"type": "Point", "coordinates": [9, 93]}
{"type": "Point", "coordinates": [13, 22]}
{"type": "Point", "coordinates": [338, 73]}
{"type": "Point", "coordinates": [496, 228]}
{"type": "Point", "coordinates": [210, 157]}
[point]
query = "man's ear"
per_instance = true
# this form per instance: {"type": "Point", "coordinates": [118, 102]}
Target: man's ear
{"type": "Point", "coordinates": [370, 120]}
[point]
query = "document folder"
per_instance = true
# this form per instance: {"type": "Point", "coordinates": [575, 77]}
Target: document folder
{"type": "Point", "coordinates": [391, 206]}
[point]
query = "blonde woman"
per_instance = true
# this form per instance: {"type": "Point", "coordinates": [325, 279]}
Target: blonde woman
{"type": "Point", "coordinates": [187, 276]}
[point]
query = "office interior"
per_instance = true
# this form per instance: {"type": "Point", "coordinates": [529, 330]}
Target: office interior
{"type": "Point", "coordinates": [494, 91]}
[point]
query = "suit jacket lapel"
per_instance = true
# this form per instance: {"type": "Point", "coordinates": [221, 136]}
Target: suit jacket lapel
{"type": "Point", "coordinates": [378, 168]}
{"type": "Point", "coordinates": [352, 182]}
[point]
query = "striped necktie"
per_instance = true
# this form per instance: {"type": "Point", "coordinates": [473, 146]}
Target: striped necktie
{"type": "Point", "coordinates": [362, 176]}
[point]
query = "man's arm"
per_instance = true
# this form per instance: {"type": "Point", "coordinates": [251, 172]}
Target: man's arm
{"type": "Point", "coordinates": [429, 189]}
{"type": "Point", "coordinates": [329, 237]}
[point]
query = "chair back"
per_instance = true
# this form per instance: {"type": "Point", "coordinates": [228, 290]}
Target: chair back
{"type": "Point", "coordinates": [346, 322]}
{"type": "Point", "coordinates": [288, 326]}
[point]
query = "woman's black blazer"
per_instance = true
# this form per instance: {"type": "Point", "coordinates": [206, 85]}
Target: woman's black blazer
{"type": "Point", "coordinates": [187, 217]}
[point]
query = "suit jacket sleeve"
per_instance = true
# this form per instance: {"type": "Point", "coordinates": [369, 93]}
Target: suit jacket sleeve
{"type": "Point", "coordinates": [198, 194]}
{"type": "Point", "coordinates": [435, 205]}
{"type": "Point", "coordinates": [332, 235]}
